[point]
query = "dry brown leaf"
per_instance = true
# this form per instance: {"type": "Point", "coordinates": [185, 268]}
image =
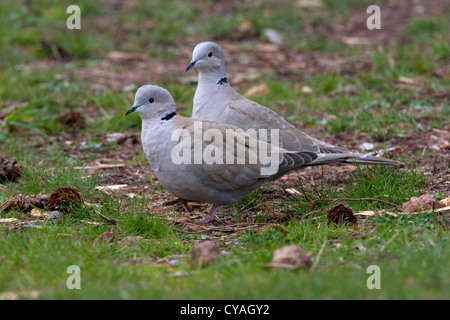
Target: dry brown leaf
{"type": "Point", "coordinates": [356, 41]}
{"type": "Point", "coordinates": [106, 237]}
{"type": "Point", "coordinates": [119, 56]}
{"type": "Point", "coordinates": [100, 166]}
{"type": "Point", "coordinates": [35, 213]}
{"type": "Point", "coordinates": [424, 203]}
{"type": "Point", "coordinates": [407, 80]}
{"type": "Point", "coordinates": [291, 256]}
{"type": "Point", "coordinates": [111, 187]}
{"type": "Point", "coordinates": [196, 204]}
{"type": "Point", "coordinates": [11, 295]}
{"type": "Point", "coordinates": [244, 29]}
{"type": "Point", "coordinates": [182, 219]}
{"type": "Point", "coordinates": [309, 4]}
{"type": "Point", "coordinates": [258, 90]}
{"type": "Point", "coordinates": [306, 89]}
{"type": "Point", "coordinates": [204, 253]}
{"type": "Point", "coordinates": [8, 220]}
{"type": "Point", "coordinates": [370, 213]}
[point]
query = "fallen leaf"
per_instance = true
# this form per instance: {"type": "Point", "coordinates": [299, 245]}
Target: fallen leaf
{"type": "Point", "coordinates": [100, 166]}
{"type": "Point", "coordinates": [10, 295]}
{"type": "Point", "coordinates": [257, 90]}
{"type": "Point", "coordinates": [107, 236]}
{"type": "Point", "coordinates": [129, 241]}
{"type": "Point", "coordinates": [306, 89]}
{"type": "Point", "coordinates": [120, 56]}
{"type": "Point", "coordinates": [356, 41]}
{"type": "Point", "coordinates": [444, 145]}
{"type": "Point", "coordinates": [291, 256]}
{"type": "Point", "coordinates": [204, 253]}
{"type": "Point", "coordinates": [367, 146]}
{"type": "Point", "coordinates": [91, 222]}
{"type": "Point", "coordinates": [407, 80]}
{"type": "Point", "coordinates": [424, 203]}
{"type": "Point", "coordinates": [293, 191]}
{"type": "Point", "coordinates": [310, 4]}
{"type": "Point", "coordinates": [196, 204]}
{"type": "Point", "coordinates": [35, 213]}
{"type": "Point", "coordinates": [8, 220]}
{"type": "Point", "coordinates": [273, 36]}
{"type": "Point", "coordinates": [111, 187]}
{"type": "Point", "coordinates": [182, 219]}
{"type": "Point", "coordinates": [120, 138]}
{"type": "Point", "coordinates": [244, 29]}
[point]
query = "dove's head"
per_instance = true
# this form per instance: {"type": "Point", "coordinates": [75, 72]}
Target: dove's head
{"type": "Point", "coordinates": [208, 56]}
{"type": "Point", "coordinates": [153, 102]}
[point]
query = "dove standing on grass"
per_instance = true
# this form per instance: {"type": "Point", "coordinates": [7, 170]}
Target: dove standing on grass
{"type": "Point", "coordinates": [217, 101]}
{"type": "Point", "coordinates": [218, 183]}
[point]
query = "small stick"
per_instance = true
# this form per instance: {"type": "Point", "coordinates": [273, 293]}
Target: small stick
{"type": "Point", "coordinates": [322, 247]}
{"type": "Point", "coordinates": [109, 220]}
{"type": "Point", "coordinates": [354, 199]}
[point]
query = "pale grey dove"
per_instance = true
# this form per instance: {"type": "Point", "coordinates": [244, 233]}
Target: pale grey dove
{"type": "Point", "coordinates": [217, 101]}
{"type": "Point", "coordinates": [230, 176]}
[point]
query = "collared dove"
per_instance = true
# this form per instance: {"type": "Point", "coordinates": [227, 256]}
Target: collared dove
{"type": "Point", "coordinates": [217, 101]}
{"type": "Point", "coordinates": [172, 144]}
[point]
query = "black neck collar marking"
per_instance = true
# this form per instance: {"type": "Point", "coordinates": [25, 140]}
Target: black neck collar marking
{"type": "Point", "coordinates": [222, 81]}
{"type": "Point", "coordinates": [169, 116]}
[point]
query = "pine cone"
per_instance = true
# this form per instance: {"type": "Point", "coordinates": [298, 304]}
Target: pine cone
{"type": "Point", "coordinates": [9, 171]}
{"type": "Point", "coordinates": [25, 203]}
{"type": "Point", "coordinates": [341, 213]}
{"type": "Point", "coordinates": [63, 199]}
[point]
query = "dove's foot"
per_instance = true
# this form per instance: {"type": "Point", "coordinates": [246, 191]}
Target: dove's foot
{"type": "Point", "coordinates": [178, 203]}
{"type": "Point", "coordinates": [211, 216]}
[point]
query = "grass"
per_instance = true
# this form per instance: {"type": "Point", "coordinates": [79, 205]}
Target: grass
{"type": "Point", "coordinates": [412, 251]}
{"type": "Point", "coordinates": [412, 254]}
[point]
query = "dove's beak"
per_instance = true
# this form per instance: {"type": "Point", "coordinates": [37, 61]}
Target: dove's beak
{"type": "Point", "coordinates": [132, 109]}
{"type": "Point", "coordinates": [190, 65]}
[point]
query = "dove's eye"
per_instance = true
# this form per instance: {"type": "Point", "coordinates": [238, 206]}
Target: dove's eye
{"type": "Point", "coordinates": [151, 100]}
{"type": "Point", "coordinates": [210, 54]}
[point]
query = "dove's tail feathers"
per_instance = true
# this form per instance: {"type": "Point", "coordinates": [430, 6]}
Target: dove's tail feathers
{"type": "Point", "coordinates": [352, 158]}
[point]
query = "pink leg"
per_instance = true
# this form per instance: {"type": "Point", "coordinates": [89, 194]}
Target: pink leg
{"type": "Point", "coordinates": [210, 216]}
{"type": "Point", "coordinates": [177, 201]}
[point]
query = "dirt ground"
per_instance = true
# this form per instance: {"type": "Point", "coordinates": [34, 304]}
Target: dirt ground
{"type": "Point", "coordinates": [429, 148]}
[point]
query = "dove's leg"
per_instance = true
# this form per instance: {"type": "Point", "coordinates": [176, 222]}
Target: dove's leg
{"type": "Point", "coordinates": [177, 201]}
{"type": "Point", "coordinates": [210, 216]}
{"type": "Point", "coordinates": [179, 204]}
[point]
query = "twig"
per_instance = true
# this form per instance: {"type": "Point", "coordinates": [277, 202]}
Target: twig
{"type": "Point", "coordinates": [311, 203]}
{"type": "Point", "coordinates": [228, 228]}
{"type": "Point", "coordinates": [109, 220]}
{"type": "Point", "coordinates": [316, 261]}
{"type": "Point", "coordinates": [390, 240]}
